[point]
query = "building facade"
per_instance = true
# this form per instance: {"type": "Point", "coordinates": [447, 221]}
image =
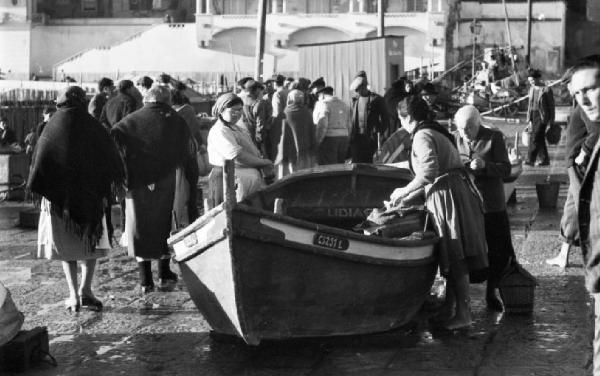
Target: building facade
{"type": "Point", "coordinates": [37, 36]}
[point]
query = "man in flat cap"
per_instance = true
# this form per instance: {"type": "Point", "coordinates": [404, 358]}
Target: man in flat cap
{"type": "Point", "coordinates": [370, 118]}
{"type": "Point", "coordinates": [312, 96]}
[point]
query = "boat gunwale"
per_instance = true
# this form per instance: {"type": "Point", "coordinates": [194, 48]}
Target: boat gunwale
{"type": "Point", "coordinates": [352, 257]}
{"type": "Point", "coordinates": [337, 231]}
{"type": "Point", "coordinates": [201, 247]}
{"type": "Point", "coordinates": [363, 169]}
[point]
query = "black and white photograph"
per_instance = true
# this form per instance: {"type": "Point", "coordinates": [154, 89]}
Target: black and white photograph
{"type": "Point", "coordinates": [300, 187]}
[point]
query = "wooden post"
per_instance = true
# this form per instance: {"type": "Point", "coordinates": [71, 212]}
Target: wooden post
{"type": "Point", "coordinates": [380, 15]}
{"type": "Point", "coordinates": [229, 185]}
{"type": "Point", "coordinates": [260, 39]}
{"type": "Point", "coordinates": [528, 52]}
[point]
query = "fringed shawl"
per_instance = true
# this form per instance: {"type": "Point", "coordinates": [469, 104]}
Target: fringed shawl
{"type": "Point", "coordinates": [74, 166]}
{"type": "Point", "coordinates": [153, 141]}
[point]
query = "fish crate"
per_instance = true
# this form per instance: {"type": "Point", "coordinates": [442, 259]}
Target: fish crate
{"type": "Point", "coordinates": [517, 290]}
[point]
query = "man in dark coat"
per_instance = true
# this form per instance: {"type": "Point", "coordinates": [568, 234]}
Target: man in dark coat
{"type": "Point", "coordinates": [484, 153]}
{"type": "Point", "coordinates": [116, 109]}
{"type": "Point", "coordinates": [540, 114]}
{"type": "Point", "coordinates": [585, 87]}
{"type": "Point", "coordinates": [370, 119]}
{"type": "Point", "coordinates": [154, 142]}
{"type": "Point", "coordinates": [257, 118]}
{"type": "Point", "coordinates": [118, 106]}
{"type": "Point", "coordinates": [106, 87]}
{"type": "Point", "coordinates": [392, 97]}
{"type": "Point", "coordinates": [582, 135]}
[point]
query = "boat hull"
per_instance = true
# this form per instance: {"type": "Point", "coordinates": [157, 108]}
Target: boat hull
{"type": "Point", "coordinates": [266, 280]}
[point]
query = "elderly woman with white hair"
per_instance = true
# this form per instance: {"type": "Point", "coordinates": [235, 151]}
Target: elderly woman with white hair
{"type": "Point", "coordinates": [228, 141]}
{"type": "Point", "coordinates": [154, 143]}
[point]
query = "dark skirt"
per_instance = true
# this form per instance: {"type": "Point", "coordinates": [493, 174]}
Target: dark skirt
{"type": "Point", "coordinates": [457, 212]}
{"type": "Point", "coordinates": [148, 212]}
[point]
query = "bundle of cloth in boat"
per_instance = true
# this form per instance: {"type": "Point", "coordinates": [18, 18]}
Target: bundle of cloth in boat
{"type": "Point", "coordinates": [408, 218]}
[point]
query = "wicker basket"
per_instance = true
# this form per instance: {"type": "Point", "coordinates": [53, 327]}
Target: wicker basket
{"type": "Point", "coordinates": [517, 289]}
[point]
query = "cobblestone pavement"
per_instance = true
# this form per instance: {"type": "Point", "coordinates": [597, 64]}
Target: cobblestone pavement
{"type": "Point", "coordinates": [163, 334]}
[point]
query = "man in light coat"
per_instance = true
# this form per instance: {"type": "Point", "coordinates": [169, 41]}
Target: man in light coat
{"type": "Point", "coordinates": [333, 120]}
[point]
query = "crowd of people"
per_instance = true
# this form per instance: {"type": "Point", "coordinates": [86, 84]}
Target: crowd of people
{"type": "Point", "coordinates": [137, 144]}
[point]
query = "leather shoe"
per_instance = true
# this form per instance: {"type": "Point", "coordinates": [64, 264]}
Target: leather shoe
{"type": "Point", "coordinates": [545, 163]}
{"type": "Point", "coordinates": [528, 163]}
{"type": "Point", "coordinates": [91, 303]}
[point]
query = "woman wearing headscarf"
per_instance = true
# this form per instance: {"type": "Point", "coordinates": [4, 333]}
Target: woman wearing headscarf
{"type": "Point", "coordinates": [228, 141]}
{"type": "Point", "coordinates": [75, 164]}
{"type": "Point", "coordinates": [159, 157]}
{"type": "Point", "coordinates": [453, 202]}
{"type": "Point", "coordinates": [296, 149]}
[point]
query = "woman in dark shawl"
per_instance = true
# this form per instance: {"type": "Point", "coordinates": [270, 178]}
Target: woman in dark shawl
{"type": "Point", "coordinates": [453, 202]}
{"type": "Point", "coordinates": [75, 164]}
{"type": "Point", "coordinates": [296, 149]}
{"type": "Point", "coordinates": [159, 156]}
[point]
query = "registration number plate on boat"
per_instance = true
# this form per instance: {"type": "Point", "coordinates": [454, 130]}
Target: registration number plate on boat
{"type": "Point", "coordinates": [190, 240]}
{"type": "Point", "coordinates": [331, 241]}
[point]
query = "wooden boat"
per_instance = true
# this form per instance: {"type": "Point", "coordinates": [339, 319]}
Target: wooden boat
{"type": "Point", "coordinates": [261, 275]}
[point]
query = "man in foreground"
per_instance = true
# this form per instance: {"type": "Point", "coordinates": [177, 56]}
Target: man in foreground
{"type": "Point", "coordinates": [585, 88]}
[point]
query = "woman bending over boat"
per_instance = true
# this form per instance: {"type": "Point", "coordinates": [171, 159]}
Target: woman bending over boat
{"type": "Point", "coordinates": [453, 202]}
{"type": "Point", "coordinates": [227, 141]}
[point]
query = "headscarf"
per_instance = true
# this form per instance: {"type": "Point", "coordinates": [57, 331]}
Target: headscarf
{"type": "Point", "coordinates": [72, 96]}
{"type": "Point", "coordinates": [225, 101]}
{"type": "Point", "coordinates": [358, 82]}
{"type": "Point", "coordinates": [158, 94]}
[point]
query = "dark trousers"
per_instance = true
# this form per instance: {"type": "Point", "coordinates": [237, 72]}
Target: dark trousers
{"type": "Point", "coordinates": [499, 241]}
{"type": "Point", "coordinates": [332, 150]}
{"type": "Point", "coordinates": [537, 145]}
{"type": "Point", "coordinates": [362, 149]}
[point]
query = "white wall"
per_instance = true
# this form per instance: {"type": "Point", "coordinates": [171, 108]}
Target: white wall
{"type": "Point", "coordinates": [14, 52]}
{"type": "Point", "coordinates": [51, 44]}
{"type": "Point", "coordinates": [161, 49]}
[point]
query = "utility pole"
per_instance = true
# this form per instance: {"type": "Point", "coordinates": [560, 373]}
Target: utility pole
{"type": "Point", "coordinates": [529, 11]}
{"type": "Point", "coordinates": [260, 39]}
{"type": "Point", "coordinates": [512, 59]}
{"type": "Point", "coordinates": [381, 15]}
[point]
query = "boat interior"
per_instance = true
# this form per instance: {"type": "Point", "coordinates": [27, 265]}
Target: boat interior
{"type": "Point", "coordinates": [339, 196]}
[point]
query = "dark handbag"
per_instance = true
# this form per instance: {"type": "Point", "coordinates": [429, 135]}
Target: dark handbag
{"type": "Point", "coordinates": [553, 134]}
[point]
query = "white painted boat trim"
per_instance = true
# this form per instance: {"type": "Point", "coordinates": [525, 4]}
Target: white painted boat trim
{"type": "Point", "coordinates": [305, 236]}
